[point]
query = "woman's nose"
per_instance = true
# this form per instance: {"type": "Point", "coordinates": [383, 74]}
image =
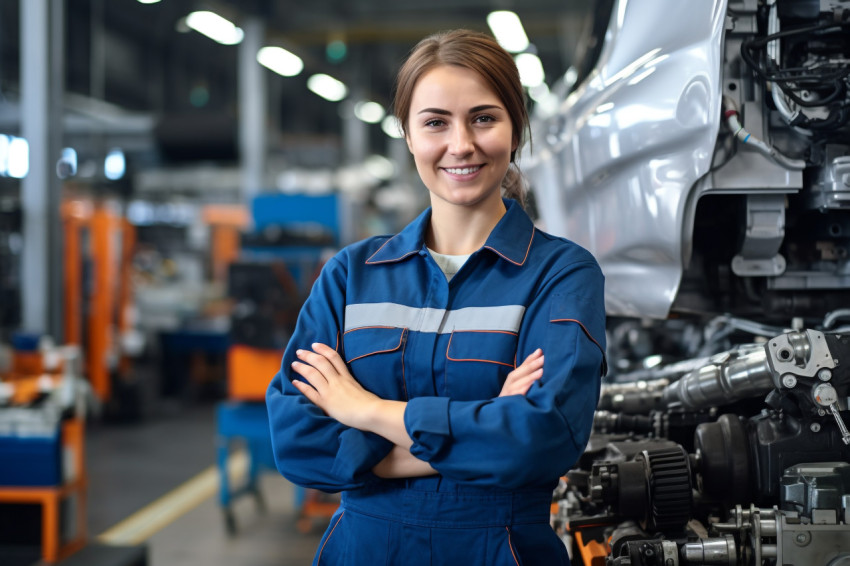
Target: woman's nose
{"type": "Point", "coordinates": [461, 141]}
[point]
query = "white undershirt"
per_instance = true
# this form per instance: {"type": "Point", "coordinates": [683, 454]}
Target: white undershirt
{"type": "Point", "coordinates": [449, 264]}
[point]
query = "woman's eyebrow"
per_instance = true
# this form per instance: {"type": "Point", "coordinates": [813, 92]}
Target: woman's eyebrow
{"type": "Point", "coordinates": [472, 110]}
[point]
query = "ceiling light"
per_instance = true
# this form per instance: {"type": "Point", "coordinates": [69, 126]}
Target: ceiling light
{"type": "Point", "coordinates": [369, 112]}
{"type": "Point", "coordinates": [14, 157]}
{"type": "Point", "coordinates": [215, 27]}
{"type": "Point", "coordinates": [280, 61]}
{"type": "Point", "coordinates": [392, 127]}
{"type": "Point", "coordinates": [538, 92]}
{"type": "Point", "coordinates": [379, 167]}
{"type": "Point", "coordinates": [327, 87]}
{"type": "Point", "coordinates": [148, 1]}
{"type": "Point", "coordinates": [530, 69]}
{"type": "Point", "coordinates": [114, 165]}
{"type": "Point", "coordinates": [508, 30]}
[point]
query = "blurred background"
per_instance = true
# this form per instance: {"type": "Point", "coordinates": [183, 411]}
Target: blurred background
{"type": "Point", "coordinates": [173, 174]}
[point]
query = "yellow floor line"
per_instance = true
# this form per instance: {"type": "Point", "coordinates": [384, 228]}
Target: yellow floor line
{"type": "Point", "coordinates": [151, 519]}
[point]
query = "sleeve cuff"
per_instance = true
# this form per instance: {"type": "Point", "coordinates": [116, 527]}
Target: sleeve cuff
{"type": "Point", "coordinates": [358, 453]}
{"type": "Point", "coordinates": [427, 422]}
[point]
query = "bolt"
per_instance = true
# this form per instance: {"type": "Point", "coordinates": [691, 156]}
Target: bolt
{"type": "Point", "coordinates": [814, 427]}
{"type": "Point", "coordinates": [802, 538]}
{"type": "Point", "coordinates": [824, 374]}
{"type": "Point", "coordinates": [821, 412]}
{"type": "Point", "coordinates": [789, 381]}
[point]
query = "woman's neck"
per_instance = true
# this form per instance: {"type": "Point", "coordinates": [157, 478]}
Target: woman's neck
{"type": "Point", "coordinates": [456, 230]}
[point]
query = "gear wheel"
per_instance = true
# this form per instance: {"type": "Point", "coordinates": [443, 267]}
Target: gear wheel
{"type": "Point", "coordinates": [668, 476]}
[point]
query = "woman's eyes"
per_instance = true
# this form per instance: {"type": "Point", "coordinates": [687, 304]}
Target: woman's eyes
{"type": "Point", "coordinates": [438, 122]}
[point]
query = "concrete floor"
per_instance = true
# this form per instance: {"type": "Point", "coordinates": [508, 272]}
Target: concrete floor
{"type": "Point", "coordinates": [132, 465]}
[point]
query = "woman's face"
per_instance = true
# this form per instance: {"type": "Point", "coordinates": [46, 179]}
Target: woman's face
{"type": "Point", "coordinates": [460, 135]}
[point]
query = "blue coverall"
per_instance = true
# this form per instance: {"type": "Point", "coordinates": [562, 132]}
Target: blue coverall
{"type": "Point", "coordinates": [445, 348]}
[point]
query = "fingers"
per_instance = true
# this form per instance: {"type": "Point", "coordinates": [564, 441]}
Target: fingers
{"type": "Point", "coordinates": [531, 364]}
{"type": "Point", "coordinates": [331, 355]}
{"type": "Point", "coordinates": [533, 361]}
{"type": "Point", "coordinates": [521, 385]}
{"type": "Point", "coordinates": [313, 376]}
{"type": "Point", "coordinates": [520, 380]}
{"type": "Point", "coordinates": [317, 361]}
{"type": "Point", "coordinates": [307, 391]}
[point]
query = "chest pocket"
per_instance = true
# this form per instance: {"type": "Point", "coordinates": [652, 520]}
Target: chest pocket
{"type": "Point", "coordinates": [375, 356]}
{"type": "Point", "coordinates": [477, 363]}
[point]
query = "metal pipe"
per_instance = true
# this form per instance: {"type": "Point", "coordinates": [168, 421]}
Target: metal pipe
{"type": "Point", "coordinates": [734, 375]}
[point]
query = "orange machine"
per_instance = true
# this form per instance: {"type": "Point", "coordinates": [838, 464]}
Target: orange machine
{"type": "Point", "coordinates": [226, 222]}
{"type": "Point", "coordinates": [96, 310]}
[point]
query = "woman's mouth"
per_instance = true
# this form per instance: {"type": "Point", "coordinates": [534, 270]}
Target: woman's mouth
{"type": "Point", "coordinates": [462, 170]}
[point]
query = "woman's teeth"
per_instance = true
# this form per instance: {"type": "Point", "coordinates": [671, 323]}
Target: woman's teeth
{"type": "Point", "coordinates": [462, 170]}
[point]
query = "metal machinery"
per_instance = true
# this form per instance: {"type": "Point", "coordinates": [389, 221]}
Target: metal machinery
{"type": "Point", "coordinates": [42, 433]}
{"type": "Point", "coordinates": [269, 281]}
{"type": "Point", "coordinates": [703, 156]}
{"type": "Point", "coordinates": [99, 244]}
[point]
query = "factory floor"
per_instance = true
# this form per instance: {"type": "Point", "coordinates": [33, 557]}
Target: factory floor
{"type": "Point", "coordinates": [154, 483]}
{"type": "Point", "coordinates": [166, 460]}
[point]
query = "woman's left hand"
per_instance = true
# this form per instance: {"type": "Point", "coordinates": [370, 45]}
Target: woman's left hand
{"type": "Point", "coordinates": [331, 386]}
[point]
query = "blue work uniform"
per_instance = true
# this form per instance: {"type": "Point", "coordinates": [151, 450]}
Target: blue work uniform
{"type": "Point", "coordinates": [446, 348]}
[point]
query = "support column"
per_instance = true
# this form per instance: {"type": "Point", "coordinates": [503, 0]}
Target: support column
{"type": "Point", "coordinates": [355, 132]}
{"type": "Point", "coordinates": [41, 88]}
{"type": "Point", "coordinates": [252, 110]}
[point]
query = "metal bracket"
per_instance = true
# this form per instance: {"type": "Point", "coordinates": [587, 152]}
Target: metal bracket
{"type": "Point", "coordinates": [759, 255]}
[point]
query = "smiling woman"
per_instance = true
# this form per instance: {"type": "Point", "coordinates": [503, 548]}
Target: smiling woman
{"type": "Point", "coordinates": [444, 378]}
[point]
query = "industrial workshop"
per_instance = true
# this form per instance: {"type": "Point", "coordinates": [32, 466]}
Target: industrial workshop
{"type": "Point", "coordinates": [424, 283]}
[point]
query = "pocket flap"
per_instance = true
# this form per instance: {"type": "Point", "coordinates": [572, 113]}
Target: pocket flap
{"type": "Point", "coordinates": [361, 342]}
{"type": "Point", "coordinates": [492, 346]}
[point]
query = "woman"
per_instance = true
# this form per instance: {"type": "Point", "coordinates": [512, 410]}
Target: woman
{"type": "Point", "coordinates": [400, 387]}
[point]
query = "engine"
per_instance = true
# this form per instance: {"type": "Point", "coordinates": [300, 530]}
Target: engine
{"type": "Point", "coordinates": [704, 158]}
{"type": "Point", "coordinates": [744, 460]}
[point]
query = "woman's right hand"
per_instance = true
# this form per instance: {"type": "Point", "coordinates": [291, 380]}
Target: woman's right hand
{"type": "Point", "coordinates": [520, 379]}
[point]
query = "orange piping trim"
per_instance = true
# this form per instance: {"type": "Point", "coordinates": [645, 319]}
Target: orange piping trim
{"type": "Point", "coordinates": [509, 259]}
{"type": "Point", "coordinates": [589, 335]}
{"type": "Point", "coordinates": [403, 381]}
{"type": "Point", "coordinates": [400, 340]}
{"type": "Point", "coordinates": [370, 262]}
{"type": "Point", "coordinates": [319, 559]}
{"type": "Point", "coordinates": [448, 357]}
{"type": "Point", "coordinates": [510, 545]}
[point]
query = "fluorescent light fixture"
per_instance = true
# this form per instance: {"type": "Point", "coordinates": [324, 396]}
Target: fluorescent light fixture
{"type": "Point", "coordinates": [530, 69]}
{"type": "Point", "coordinates": [379, 167]}
{"type": "Point", "coordinates": [18, 158]}
{"type": "Point", "coordinates": [370, 112]}
{"type": "Point", "coordinates": [392, 127]}
{"type": "Point", "coordinates": [215, 27]}
{"type": "Point", "coordinates": [148, 1]}
{"type": "Point", "coordinates": [280, 61]}
{"type": "Point", "coordinates": [508, 30]}
{"type": "Point", "coordinates": [327, 87]}
{"type": "Point", "coordinates": [114, 165]}
{"type": "Point", "coordinates": [538, 92]}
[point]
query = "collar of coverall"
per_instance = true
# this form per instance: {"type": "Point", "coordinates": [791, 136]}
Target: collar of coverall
{"type": "Point", "coordinates": [510, 239]}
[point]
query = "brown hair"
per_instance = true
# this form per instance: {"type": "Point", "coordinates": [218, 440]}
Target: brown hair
{"type": "Point", "coordinates": [481, 53]}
